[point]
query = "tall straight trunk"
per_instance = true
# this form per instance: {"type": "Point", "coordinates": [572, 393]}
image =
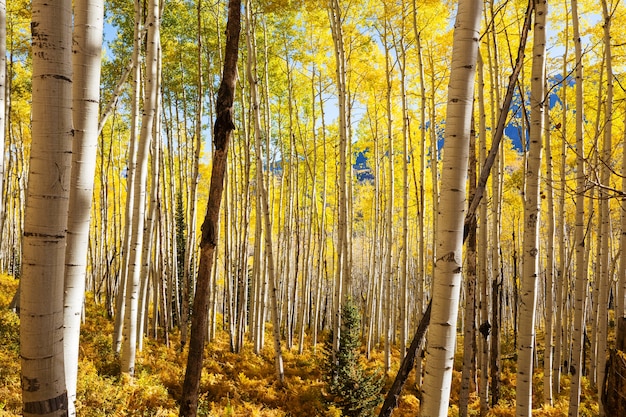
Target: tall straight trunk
{"type": "Point", "coordinates": [532, 209]}
{"type": "Point", "coordinates": [483, 285]}
{"type": "Point", "coordinates": [605, 278]}
{"type": "Point", "coordinates": [469, 323]}
{"type": "Point", "coordinates": [190, 250]}
{"type": "Point", "coordinates": [447, 279]}
{"type": "Point", "coordinates": [129, 345]}
{"type": "Point", "coordinates": [548, 382]}
{"type": "Point", "coordinates": [222, 131]}
{"type": "Point", "coordinates": [262, 190]}
{"type": "Point", "coordinates": [580, 291]}
{"type": "Point", "coordinates": [421, 268]}
{"type": "Point", "coordinates": [148, 244]}
{"type": "Point", "coordinates": [322, 223]}
{"type": "Point", "coordinates": [45, 218]}
{"type": "Point", "coordinates": [404, 261]}
{"type": "Point", "coordinates": [434, 158]}
{"type": "Point", "coordinates": [620, 306]}
{"type": "Point", "coordinates": [561, 283]}
{"type": "Point", "coordinates": [390, 235]}
{"type": "Point", "coordinates": [88, 26]}
{"type": "Point", "coordinates": [342, 272]}
{"type": "Point", "coordinates": [3, 119]}
{"type": "Point", "coordinates": [120, 300]}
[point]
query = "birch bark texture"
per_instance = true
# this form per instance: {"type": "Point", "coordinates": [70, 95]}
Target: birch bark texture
{"type": "Point", "coordinates": [263, 195]}
{"type": "Point", "coordinates": [87, 45]}
{"type": "Point", "coordinates": [532, 209]}
{"type": "Point", "coordinates": [129, 345]}
{"type": "Point", "coordinates": [449, 232]}
{"type": "Point", "coordinates": [580, 287]}
{"type": "Point", "coordinates": [45, 218]}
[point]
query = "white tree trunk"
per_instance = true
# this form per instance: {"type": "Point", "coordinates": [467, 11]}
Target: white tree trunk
{"type": "Point", "coordinates": [3, 92]}
{"type": "Point", "coordinates": [45, 218]}
{"type": "Point", "coordinates": [342, 272]}
{"type": "Point", "coordinates": [532, 209]}
{"type": "Point", "coordinates": [483, 286]}
{"type": "Point", "coordinates": [262, 190]}
{"type": "Point", "coordinates": [548, 382]}
{"type": "Point", "coordinates": [120, 301]}
{"type": "Point", "coordinates": [605, 279]}
{"type": "Point", "coordinates": [561, 284]}
{"type": "Point", "coordinates": [580, 291]}
{"type": "Point", "coordinates": [129, 345]}
{"type": "Point", "coordinates": [447, 279]}
{"type": "Point", "coordinates": [88, 26]}
{"type": "Point", "coordinates": [620, 310]}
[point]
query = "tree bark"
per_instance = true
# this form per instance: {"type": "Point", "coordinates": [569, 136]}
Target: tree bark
{"type": "Point", "coordinates": [469, 322]}
{"type": "Point", "coordinates": [262, 190]}
{"type": "Point", "coordinates": [447, 279]}
{"type": "Point", "coordinates": [342, 272]}
{"type": "Point", "coordinates": [532, 209]}
{"type": "Point", "coordinates": [222, 131]}
{"type": "Point", "coordinates": [580, 291]}
{"type": "Point", "coordinates": [45, 219]}
{"type": "Point", "coordinates": [129, 345]}
{"type": "Point", "coordinates": [120, 300]}
{"type": "Point", "coordinates": [88, 27]}
{"type": "Point", "coordinates": [605, 279]}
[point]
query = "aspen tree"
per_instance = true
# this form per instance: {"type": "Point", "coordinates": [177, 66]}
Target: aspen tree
{"type": "Point", "coordinates": [190, 250]}
{"type": "Point", "coordinates": [447, 280]}
{"type": "Point", "coordinates": [376, 223]}
{"type": "Point", "coordinates": [404, 261]}
{"type": "Point", "coordinates": [580, 293]}
{"type": "Point", "coordinates": [290, 236]}
{"type": "Point", "coordinates": [605, 227]}
{"type": "Point", "coordinates": [494, 273]}
{"type": "Point", "coordinates": [322, 225]}
{"type": "Point", "coordinates": [595, 206]}
{"type": "Point", "coordinates": [258, 278]}
{"type": "Point", "coordinates": [262, 190]}
{"type": "Point", "coordinates": [87, 45]}
{"type": "Point", "coordinates": [469, 322]}
{"type": "Point", "coordinates": [483, 341]}
{"type": "Point", "coordinates": [532, 209]}
{"type": "Point", "coordinates": [44, 390]}
{"type": "Point", "coordinates": [548, 387]}
{"type": "Point", "coordinates": [390, 201]}
{"type": "Point", "coordinates": [421, 269]}
{"type": "Point", "coordinates": [620, 306]}
{"type": "Point", "coordinates": [129, 345]}
{"type": "Point", "coordinates": [149, 237]}
{"type": "Point", "coordinates": [152, 218]}
{"type": "Point", "coordinates": [434, 155]}
{"type": "Point", "coordinates": [561, 283]}
{"type": "Point", "coordinates": [3, 119]}
{"type": "Point", "coordinates": [120, 300]}
{"type": "Point", "coordinates": [342, 271]}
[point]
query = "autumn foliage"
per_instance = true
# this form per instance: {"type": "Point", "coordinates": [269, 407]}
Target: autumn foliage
{"type": "Point", "coordinates": [241, 384]}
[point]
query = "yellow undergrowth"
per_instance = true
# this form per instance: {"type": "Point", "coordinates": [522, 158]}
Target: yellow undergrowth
{"type": "Point", "coordinates": [232, 384]}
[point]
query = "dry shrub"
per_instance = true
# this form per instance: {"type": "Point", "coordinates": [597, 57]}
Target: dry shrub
{"type": "Point", "coordinates": [501, 411]}
{"type": "Point", "coordinates": [10, 390]}
{"type": "Point", "coordinates": [407, 406]}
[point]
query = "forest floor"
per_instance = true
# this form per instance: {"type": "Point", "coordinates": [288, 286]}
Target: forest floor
{"type": "Point", "coordinates": [241, 384]}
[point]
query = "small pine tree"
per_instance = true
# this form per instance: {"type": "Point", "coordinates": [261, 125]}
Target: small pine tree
{"type": "Point", "coordinates": [352, 387]}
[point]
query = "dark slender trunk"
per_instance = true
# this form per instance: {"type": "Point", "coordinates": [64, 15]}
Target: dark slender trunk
{"type": "Point", "coordinates": [222, 131]}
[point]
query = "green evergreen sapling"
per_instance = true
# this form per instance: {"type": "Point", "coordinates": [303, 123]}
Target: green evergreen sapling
{"type": "Point", "coordinates": [352, 387]}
